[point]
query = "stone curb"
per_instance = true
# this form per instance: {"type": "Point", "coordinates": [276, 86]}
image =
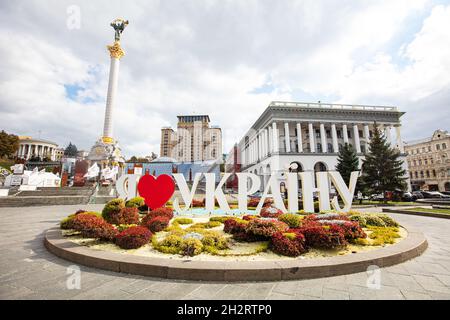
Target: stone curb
{"type": "Point", "coordinates": [234, 271]}
{"type": "Point", "coordinates": [419, 213]}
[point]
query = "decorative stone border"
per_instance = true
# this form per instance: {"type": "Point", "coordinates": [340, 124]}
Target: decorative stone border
{"type": "Point", "coordinates": [411, 247]}
{"type": "Point", "coordinates": [419, 213]}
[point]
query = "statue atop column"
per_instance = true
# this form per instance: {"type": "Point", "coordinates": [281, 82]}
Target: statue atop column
{"type": "Point", "coordinates": [119, 25]}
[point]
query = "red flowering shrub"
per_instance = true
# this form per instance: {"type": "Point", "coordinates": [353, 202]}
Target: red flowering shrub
{"type": "Point", "coordinates": [324, 237]}
{"type": "Point", "coordinates": [197, 203]}
{"type": "Point", "coordinates": [234, 226]}
{"type": "Point", "coordinates": [127, 215]}
{"type": "Point", "coordinates": [92, 226]}
{"type": "Point", "coordinates": [288, 244]}
{"type": "Point", "coordinates": [249, 217]}
{"type": "Point", "coordinates": [265, 228]}
{"type": "Point", "coordinates": [270, 212]}
{"type": "Point", "coordinates": [155, 224]}
{"type": "Point", "coordinates": [331, 216]}
{"type": "Point", "coordinates": [133, 237]}
{"type": "Point", "coordinates": [253, 203]}
{"type": "Point", "coordinates": [247, 237]}
{"type": "Point", "coordinates": [160, 212]}
{"type": "Point", "coordinates": [352, 230]}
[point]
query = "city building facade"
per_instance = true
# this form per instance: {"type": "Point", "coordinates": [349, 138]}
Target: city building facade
{"type": "Point", "coordinates": [194, 141]}
{"type": "Point", "coordinates": [429, 162]}
{"type": "Point", "coordinates": [36, 148]}
{"type": "Point", "coordinates": [293, 136]}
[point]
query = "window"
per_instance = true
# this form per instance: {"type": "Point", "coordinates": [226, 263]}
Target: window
{"type": "Point", "coordinates": [330, 147]}
{"type": "Point", "coordinates": [438, 147]}
{"type": "Point", "coordinates": [319, 147]}
{"type": "Point", "coordinates": [317, 133]}
{"type": "Point", "coordinates": [339, 134]}
{"type": "Point", "coordinates": [421, 174]}
{"type": "Point", "coordinates": [428, 174]}
{"type": "Point", "coordinates": [417, 175]}
{"type": "Point", "coordinates": [434, 173]}
{"type": "Point", "coordinates": [429, 148]}
{"type": "Point", "coordinates": [349, 134]}
{"type": "Point", "coordinates": [444, 146]}
{"type": "Point", "coordinates": [328, 134]}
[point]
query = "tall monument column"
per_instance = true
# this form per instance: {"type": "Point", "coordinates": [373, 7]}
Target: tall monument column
{"type": "Point", "coordinates": [106, 150]}
{"type": "Point", "coordinates": [116, 53]}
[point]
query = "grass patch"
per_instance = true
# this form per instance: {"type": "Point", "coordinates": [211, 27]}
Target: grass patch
{"type": "Point", "coordinates": [429, 210]}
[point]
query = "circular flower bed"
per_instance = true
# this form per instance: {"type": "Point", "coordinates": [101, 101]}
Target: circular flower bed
{"type": "Point", "coordinates": [273, 232]}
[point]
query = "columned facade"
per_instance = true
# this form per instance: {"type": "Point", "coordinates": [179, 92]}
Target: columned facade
{"type": "Point", "coordinates": [311, 134]}
{"type": "Point", "coordinates": [36, 148]}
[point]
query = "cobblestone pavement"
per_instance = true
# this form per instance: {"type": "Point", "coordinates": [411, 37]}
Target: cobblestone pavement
{"type": "Point", "coordinates": [28, 271]}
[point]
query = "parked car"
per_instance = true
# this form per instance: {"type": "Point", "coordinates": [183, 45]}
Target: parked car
{"type": "Point", "coordinates": [433, 195]}
{"type": "Point", "coordinates": [376, 197]}
{"type": "Point", "coordinates": [417, 194]}
{"type": "Point", "coordinates": [408, 197]}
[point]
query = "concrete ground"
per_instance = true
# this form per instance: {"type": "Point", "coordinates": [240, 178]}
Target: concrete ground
{"type": "Point", "coordinates": [28, 271]}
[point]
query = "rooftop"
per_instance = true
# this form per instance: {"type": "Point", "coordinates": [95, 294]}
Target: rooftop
{"type": "Point", "coordinates": [319, 105]}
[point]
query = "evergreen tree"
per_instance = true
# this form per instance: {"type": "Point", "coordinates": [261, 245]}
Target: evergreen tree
{"type": "Point", "coordinates": [382, 170]}
{"type": "Point", "coordinates": [71, 150]}
{"type": "Point", "coordinates": [347, 162]}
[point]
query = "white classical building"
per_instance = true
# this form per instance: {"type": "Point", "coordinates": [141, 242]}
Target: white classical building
{"type": "Point", "coordinates": [293, 136]}
{"type": "Point", "coordinates": [30, 147]}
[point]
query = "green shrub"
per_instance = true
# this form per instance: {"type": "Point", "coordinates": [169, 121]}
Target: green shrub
{"type": "Point", "coordinates": [122, 227]}
{"type": "Point", "coordinates": [220, 219]}
{"type": "Point", "coordinates": [135, 202]}
{"type": "Point", "coordinates": [206, 225]}
{"type": "Point", "coordinates": [182, 221]}
{"type": "Point", "coordinates": [191, 247]}
{"type": "Point", "coordinates": [360, 219]}
{"type": "Point", "coordinates": [291, 219]}
{"type": "Point", "coordinates": [374, 220]}
{"type": "Point", "coordinates": [112, 207]}
{"type": "Point", "coordinates": [388, 220]}
{"type": "Point", "coordinates": [170, 244]}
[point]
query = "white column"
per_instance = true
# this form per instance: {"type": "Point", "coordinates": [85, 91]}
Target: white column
{"type": "Point", "coordinates": [110, 99]}
{"type": "Point", "coordinates": [287, 140]}
{"type": "Point", "coordinates": [299, 137]}
{"type": "Point", "coordinates": [335, 138]}
{"type": "Point", "coordinates": [356, 138]}
{"type": "Point", "coordinates": [387, 133]}
{"type": "Point", "coordinates": [345, 133]}
{"type": "Point", "coordinates": [260, 145]}
{"type": "Point", "coordinates": [323, 138]}
{"type": "Point", "coordinates": [399, 139]}
{"type": "Point", "coordinates": [270, 140]}
{"type": "Point", "coordinates": [266, 142]}
{"type": "Point", "coordinates": [275, 137]}
{"type": "Point", "coordinates": [366, 133]}
{"type": "Point", "coordinates": [28, 152]}
{"type": "Point", "coordinates": [312, 141]}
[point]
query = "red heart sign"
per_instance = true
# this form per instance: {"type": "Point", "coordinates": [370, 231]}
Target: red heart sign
{"type": "Point", "coordinates": [156, 191]}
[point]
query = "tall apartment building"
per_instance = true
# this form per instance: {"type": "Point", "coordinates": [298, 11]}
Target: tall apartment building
{"type": "Point", "coordinates": [429, 162]}
{"type": "Point", "coordinates": [195, 140]}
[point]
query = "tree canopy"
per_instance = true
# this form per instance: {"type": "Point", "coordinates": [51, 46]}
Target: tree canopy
{"type": "Point", "coordinates": [71, 150]}
{"type": "Point", "coordinates": [9, 144]}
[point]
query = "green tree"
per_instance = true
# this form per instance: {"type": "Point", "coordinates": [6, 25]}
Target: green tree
{"type": "Point", "coordinates": [382, 170]}
{"type": "Point", "coordinates": [9, 144]}
{"type": "Point", "coordinates": [71, 150]}
{"type": "Point", "coordinates": [348, 162]}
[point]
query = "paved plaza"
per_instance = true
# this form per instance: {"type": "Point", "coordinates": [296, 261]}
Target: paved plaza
{"type": "Point", "coordinates": [29, 271]}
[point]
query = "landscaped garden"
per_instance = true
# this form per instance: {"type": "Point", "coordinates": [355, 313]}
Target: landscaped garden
{"type": "Point", "coordinates": [129, 227]}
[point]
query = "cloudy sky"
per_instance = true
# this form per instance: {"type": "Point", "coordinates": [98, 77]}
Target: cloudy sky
{"type": "Point", "coordinates": [228, 59]}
